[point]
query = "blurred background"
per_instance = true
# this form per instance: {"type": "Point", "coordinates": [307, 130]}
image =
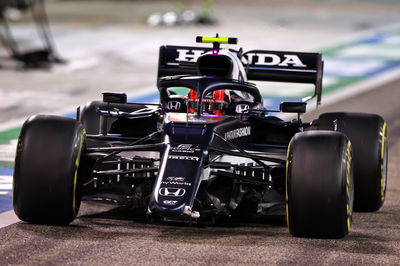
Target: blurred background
{"type": "Point", "coordinates": [84, 47]}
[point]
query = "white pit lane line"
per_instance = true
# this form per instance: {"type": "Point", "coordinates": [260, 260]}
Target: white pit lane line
{"type": "Point", "coordinates": [5, 184]}
{"type": "Point", "coordinates": [9, 217]}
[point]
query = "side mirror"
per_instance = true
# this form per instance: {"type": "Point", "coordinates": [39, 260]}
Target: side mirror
{"type": "Point", "coordinates": [293, 107]}
{"type": "Point", "coordinates": [114, 97]}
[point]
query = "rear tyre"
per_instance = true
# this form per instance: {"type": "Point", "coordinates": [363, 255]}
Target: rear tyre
{"type": "Point", "coordinates": [319, 185]}
{"type": "Point", "coordinates": [368, 134]}
{"type": "Point", "coordinates": [47, 181]}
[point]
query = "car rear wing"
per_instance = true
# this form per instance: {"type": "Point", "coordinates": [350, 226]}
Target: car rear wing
{"type": "Point", "coordinates": [281, 66]}
{"type": "Point", "coordinates": [260, 65]}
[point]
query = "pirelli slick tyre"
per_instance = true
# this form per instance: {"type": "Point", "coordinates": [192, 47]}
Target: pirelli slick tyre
{"type": "Point", "coordinates": [319, 185]}
{"type": "Point", "coordinates": [368, 134]}
{"type": "Point", "coordinates": [47, 181]}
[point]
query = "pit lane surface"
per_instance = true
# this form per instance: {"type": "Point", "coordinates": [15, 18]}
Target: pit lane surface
{"type": "Point", "coordinates": [96, 238]}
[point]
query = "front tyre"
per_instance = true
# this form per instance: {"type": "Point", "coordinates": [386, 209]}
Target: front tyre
{"type": "Point", "coordinates": [47, 181]}
{"type": "Point", "coordinates": [319, 185]}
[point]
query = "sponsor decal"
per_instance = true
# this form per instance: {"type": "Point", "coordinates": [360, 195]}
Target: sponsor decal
{"type": "Point", "coordinates": [177, 183]}
{"type": "Point", "coordinates": [170, 202]}
{"type": "Point", "coordinates": [242, 108]}
{"type": "Point", "coordinates": [237, 133]}
{"type": "Point", "coordinates": [176, 180]}
{"type": "Point", "coordinates": [180, 157]}
{"type": "Point", "coordinates": [186, 55]}
{"type": "Point", "coordinates": [172, 192]}
{"type": "Point", "coordinates": [186, 148]}
{"type": "Point", "coordinates": [275, 60]}
{"type": "Point", "coordinates": [174, 105]}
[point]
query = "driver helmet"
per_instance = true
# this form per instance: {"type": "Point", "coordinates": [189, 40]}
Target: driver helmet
{"type": "Point", "coordinates": [213, 103]}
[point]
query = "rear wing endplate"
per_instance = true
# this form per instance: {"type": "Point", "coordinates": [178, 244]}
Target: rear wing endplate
{"type": "Point", "coordinates": [281, 66]}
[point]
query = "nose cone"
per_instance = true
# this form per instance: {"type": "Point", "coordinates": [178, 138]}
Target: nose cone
{"type": "Point", "coordinates": [178, 180]}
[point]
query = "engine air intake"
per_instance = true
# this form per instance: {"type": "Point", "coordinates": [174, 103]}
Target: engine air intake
{"type": "Point", "coordinates": [214, 65]}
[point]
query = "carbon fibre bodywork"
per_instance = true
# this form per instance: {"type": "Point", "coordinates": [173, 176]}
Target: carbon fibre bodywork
{"type": "Point", "coordinates": [193, 167]}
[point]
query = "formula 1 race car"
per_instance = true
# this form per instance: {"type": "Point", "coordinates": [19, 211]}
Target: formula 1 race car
{"type": "Point", "coordinates": [209, 151]}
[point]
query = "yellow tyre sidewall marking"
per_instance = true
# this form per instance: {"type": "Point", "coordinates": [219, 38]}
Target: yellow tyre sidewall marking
{"type": "Point", "coordinates": [78, 157]}
{"type": "Point", "coordinates": [383, 154]}
{"type": "Point", "coordinates": [287, 176]}
{"type": "Point", "coordinates": [348, 177]}
{"type": "Point", "coordinates": [18, 150]}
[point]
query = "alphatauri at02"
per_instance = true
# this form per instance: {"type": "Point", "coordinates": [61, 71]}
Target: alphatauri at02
{"type": "Point", "coordinates": [209, 151]}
